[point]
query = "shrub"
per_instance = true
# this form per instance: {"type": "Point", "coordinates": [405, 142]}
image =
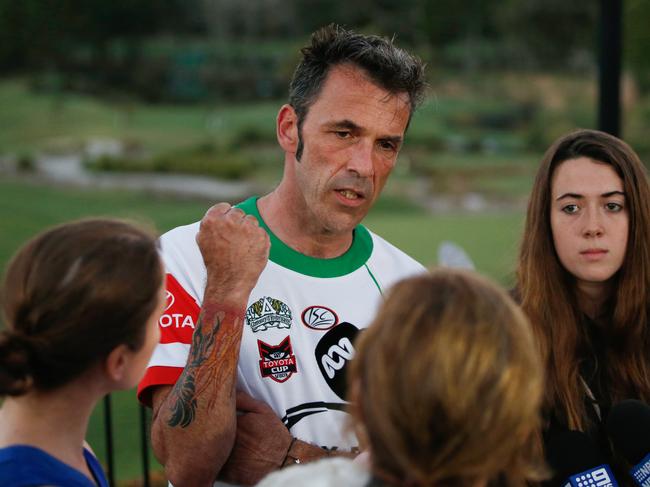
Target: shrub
{"type": "Point", "coordinates": [203, 159]}
{"type": "Point", "coordinates": [25, 163]}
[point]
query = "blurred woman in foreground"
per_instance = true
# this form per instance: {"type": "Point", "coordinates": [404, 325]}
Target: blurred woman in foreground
{"type": "Point", "coordinates": [81, 305]}
{"type": "Point", "coordinates": [445, 390]}
{"type": "Point", "coordinates": [584, 278]}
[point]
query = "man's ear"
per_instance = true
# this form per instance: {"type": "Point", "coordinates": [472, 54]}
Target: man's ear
{"type": "Point", "coordinates": [287, 128]}
{"type": "Point", "coordinates": [116, 363]}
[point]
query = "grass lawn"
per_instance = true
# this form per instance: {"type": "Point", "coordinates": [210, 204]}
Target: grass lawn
{"type": "Point", "coordinates": [40, 121]}
{"type": "Point", "coordinates": [27, 208]}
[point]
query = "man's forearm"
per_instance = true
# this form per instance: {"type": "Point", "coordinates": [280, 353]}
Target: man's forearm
{"type": "Point", "coordinates": [198, 414]}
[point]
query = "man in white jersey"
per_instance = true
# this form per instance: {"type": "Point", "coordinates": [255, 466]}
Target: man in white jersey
{"type": "Point", "coordinates": [265, 299]}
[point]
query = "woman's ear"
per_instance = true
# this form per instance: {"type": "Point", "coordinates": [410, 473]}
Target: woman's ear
{"type": "Point", "coordinates": [116, 364]}
{"type": "Point", "coordinates": [287, 129]}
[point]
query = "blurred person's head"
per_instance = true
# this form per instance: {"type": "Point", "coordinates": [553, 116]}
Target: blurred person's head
{"type": "Point", "coordinates": [446, 385]}
{"type": "Point", "coordinates": [586, 250]}
{"type": "Point", "coordinates": [81, 295]}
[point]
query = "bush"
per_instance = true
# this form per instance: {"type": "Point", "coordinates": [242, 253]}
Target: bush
{"type": "Point", "coordinates": [25, 163]}
{"type": "Point", "coordinates": [253, 135]}
{"type": "Point", "coordinates": [204, 159]}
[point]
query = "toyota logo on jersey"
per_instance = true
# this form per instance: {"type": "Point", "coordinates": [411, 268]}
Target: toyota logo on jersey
{"type": "Point", "coordinates": [170, 299]}
{"type": "Point", "coordinates": [181, 310]}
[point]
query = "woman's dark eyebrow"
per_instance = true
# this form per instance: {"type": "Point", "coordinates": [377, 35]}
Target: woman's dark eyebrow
{"type": "Point", "coordinates": [569, 195]}
{"type": "Point", "coordinates": [579, 196]}
{"type": "Point", "coordinates": [613, 193]}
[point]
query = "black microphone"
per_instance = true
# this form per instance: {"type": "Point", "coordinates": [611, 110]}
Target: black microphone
{"type": "Point", "coordinates": [574, 458]}
{"type": "Point", "coordinates": [333, 352]}
{"type": "Point", "coordinates": [628, 426]}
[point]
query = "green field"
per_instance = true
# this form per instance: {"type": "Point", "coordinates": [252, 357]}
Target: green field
{"type": "Point", "coordinates": [26, 208]}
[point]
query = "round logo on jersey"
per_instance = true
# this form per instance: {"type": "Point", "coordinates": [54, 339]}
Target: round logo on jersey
{"type": "Point", "coordinates": [170, 299]}
{"type": "Point", "coordinates": [319, 318]}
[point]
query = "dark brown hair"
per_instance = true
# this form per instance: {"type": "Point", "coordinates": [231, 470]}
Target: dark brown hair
{"type": "Point", "coordinates": [390, 67]}
{"type": "Point", "coordinates": [547, 290]}
{"type": "Point", "coordinates": [447, 384]}
{"type": "Point", "coordinates": [70, 296]}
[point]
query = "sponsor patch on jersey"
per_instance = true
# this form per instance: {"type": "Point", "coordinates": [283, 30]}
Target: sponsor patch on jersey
{"type": "Point", "coordinates": [268, 313]}
{"type": "Point", "coordinates": [277, 361]}
{"type": "Point", "coordinates": [333, 353]}
{"type": "Point", "coordinates": [170, 299]}
{"type": "Point", "coordinates": [174, 320]}
{"type": "Point", "coordinates": [319, 318]}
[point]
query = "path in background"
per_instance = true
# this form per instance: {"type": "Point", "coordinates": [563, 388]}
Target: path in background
{"type": "Point", "coordinates": [69, 170]}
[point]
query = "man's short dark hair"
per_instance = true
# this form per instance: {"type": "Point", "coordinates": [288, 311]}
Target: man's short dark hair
{"type": "Point", "coordinates": [390, 67]}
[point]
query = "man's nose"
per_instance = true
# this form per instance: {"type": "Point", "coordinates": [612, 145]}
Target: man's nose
{"type": "Point", "coordinates": [361, 159]}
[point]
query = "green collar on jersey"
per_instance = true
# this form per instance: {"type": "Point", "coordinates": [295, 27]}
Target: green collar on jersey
{"type": "Point", "coordinates": [283, 255]}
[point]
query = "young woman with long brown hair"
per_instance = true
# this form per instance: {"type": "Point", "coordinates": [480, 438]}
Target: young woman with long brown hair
{"type": "Point", "coordinates": [81, 304]}
{"type": "Point", "coordinates": [583, 279]}
{"type": "Point", "coordinates": [445, 390]}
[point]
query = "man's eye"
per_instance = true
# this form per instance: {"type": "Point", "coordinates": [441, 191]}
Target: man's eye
{"type": "Point", "coordinates": [342, 134]}
{"type": "Point", "coordinates": [387, 145]}
{"type": "Point", "coordinates": [570, 209]}
{"type": "Point", "coordinates": [614, 207]}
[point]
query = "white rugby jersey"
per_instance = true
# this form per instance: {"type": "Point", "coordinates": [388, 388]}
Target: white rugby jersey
{"type": "Point", "coordinates": [301, 319]}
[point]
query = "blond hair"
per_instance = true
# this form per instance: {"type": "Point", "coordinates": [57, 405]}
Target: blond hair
{"type": "Point", "coordinates": [447, 384]}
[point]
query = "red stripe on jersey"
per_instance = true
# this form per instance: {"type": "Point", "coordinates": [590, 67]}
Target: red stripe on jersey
{"type": "Point", "coordinates": [179, 319]}
{"type": "Point", "coordinates": [157, 376]}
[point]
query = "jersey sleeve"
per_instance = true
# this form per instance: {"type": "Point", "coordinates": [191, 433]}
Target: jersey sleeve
{"type": "Point", "coordinates": [176, 328]}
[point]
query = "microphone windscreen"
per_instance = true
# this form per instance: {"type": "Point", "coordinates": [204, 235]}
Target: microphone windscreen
{"type": "Point", "coordinates": [570, 452]}
{"type": "Point", "coordinates": [628, 426]}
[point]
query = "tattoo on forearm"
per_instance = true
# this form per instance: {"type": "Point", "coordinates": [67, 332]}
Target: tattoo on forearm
{"type": "Point", "coordinates": [209, 361]}
{"type": "Point", "coordinates": [185, 405]}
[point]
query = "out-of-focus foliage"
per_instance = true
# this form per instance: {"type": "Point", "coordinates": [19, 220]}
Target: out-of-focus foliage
{"type": "Point", "coordinates": [87, 45]}
{"type": "Point", "coordinates": [636, 42]}
{"type": "Point", "coordinates": [195, 50]}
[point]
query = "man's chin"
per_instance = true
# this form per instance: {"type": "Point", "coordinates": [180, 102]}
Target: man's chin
{"type": "Point", "coordinates": [343, 226]}
{"type": "Point", "coordinates": [337, 219]}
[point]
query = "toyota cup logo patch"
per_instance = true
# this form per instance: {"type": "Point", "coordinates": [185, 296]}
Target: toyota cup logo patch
{"type": "Point", "coordinates": [277, 361]}
{"type": "Point", "coordinates": [268, 313]}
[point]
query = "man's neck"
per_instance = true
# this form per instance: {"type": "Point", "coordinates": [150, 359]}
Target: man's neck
{"type": "Point", "coordinates": [300, 233]}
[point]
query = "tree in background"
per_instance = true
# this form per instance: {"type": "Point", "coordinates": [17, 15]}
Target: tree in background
{"type": "Point", "coordinates": [97, 45]}
{"type": "Point", "coordinates": [636, 42]}
{"type": "Point", "coordinates": [70, 37]}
